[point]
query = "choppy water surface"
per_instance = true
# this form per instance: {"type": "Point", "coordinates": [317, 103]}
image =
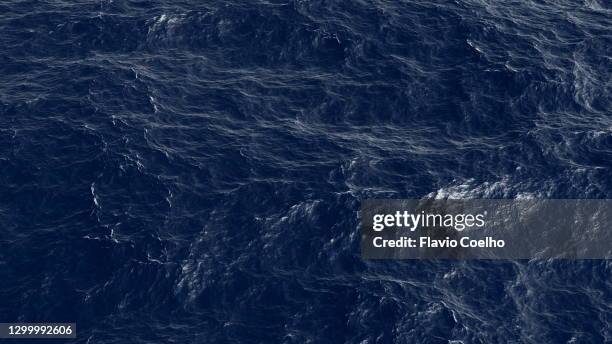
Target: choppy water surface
{"type": "Point", "coordinates": [191, 171]}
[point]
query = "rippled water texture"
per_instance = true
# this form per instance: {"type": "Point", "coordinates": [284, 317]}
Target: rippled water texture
{"type": "Point", "coordinates": [191, 171]}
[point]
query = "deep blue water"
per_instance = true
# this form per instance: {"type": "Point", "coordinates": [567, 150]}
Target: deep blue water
{"type": "Point", "coordinates": [191, 171]}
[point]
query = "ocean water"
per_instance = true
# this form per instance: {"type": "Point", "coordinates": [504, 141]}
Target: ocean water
{"type": "Point", "coordinates": [191, 171]}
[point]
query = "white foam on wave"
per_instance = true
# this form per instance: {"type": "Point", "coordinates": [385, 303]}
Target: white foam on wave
{"type": "Point", "coordinates": [470, 189]}
{"type": "Point", "coordinates": [163, 27]}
